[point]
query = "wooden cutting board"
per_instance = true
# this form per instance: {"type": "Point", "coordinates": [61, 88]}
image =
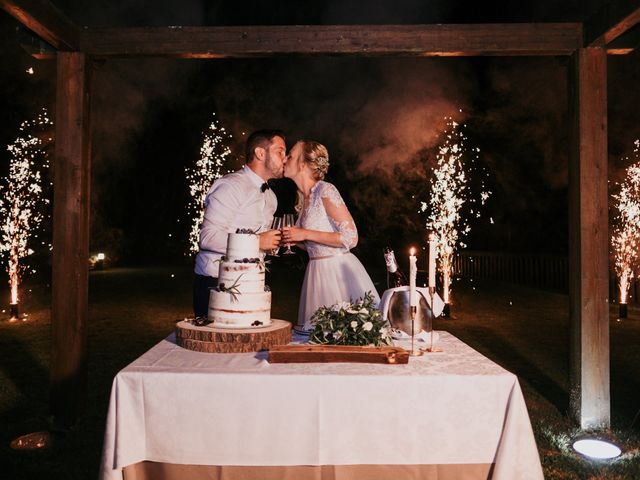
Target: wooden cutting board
{"type": "Point", "coordinates": [337, 353]}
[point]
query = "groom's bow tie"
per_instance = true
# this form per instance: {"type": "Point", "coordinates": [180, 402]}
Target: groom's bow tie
{"type": "Point", "coordinates": [264, 186]}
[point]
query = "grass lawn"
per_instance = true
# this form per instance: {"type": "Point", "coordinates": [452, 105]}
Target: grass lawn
{"type": "Point", "coordinates": [131, 309]}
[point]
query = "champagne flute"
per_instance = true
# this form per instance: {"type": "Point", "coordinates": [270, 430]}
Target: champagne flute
{"type": "Point", "coordinates": [276, 224]}
{"type": "Point", "coordinates": [288, 221]}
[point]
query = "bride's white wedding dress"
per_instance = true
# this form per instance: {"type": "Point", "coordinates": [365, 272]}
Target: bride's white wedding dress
{"type": "Point", "coordinates": [334, 274]}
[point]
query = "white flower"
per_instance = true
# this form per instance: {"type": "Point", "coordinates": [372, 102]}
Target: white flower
{"type": "Point", "coordinates": [354, 324]}
{"type": "Point", "coordinates": [351, 310]}
{"type": "Point", "coordinates": [367, 326]}
{"type": "Point", "coordinates": [339, 306]}
{"type": "Point", "coordinates": [337, 335]}
{"type": "Point", "coordinates": [363, 310]}
{"type": "Point", "coordinates": [384, 332]}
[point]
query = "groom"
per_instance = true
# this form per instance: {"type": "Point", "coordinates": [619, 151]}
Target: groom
{"type": "Point", "coordinates": [242, 199]}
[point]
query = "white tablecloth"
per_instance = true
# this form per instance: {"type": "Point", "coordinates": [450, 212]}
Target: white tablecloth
{"type": "Point", "coordinates": [178, 406]}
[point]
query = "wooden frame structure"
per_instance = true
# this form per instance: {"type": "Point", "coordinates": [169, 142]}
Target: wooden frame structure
{"type": "Point", "coordinates": [587, 43]}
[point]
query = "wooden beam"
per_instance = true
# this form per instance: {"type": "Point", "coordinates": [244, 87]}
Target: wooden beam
{"type": "Point", "coordinates": [419, 40]}
{"type": "Point", "coordinates": [612, 20]}
{"type": "Point", "coordinates": [589, 240]}
{"type": "Point", "coordinates": [626, 43]}
{"type": "Point", "coordinates": [46, 21]}
{"type": "Point", "coordinates": [69, 304]}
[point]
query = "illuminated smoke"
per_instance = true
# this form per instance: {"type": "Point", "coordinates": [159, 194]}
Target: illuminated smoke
{"type": "Point", "coordinates": [450, 192]}
{"type": "Point", "coordinates": [626, 227]}
{"type": "Point", "coordinates": [211, 165]}
{"type": "Point", "coordinates": [22, 201]}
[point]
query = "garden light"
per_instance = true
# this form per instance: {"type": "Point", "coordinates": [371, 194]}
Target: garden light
{"type": "Point", "coordinates": [597, 449]}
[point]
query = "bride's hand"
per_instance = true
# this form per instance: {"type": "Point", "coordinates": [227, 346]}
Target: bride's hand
{"type": "Point", "coordinates": [294, 235]}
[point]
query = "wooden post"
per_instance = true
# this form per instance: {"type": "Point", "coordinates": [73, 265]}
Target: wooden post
{"type": "Point", "coordinates": [69, 305]}
{"type": "Point", "coordinates": [588, 240]}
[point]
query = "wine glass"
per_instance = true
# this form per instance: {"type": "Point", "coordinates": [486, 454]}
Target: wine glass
{"type": "Point", "coordinates": [288, 221]}
{"type": "Point", "coordinates": [276, 224]}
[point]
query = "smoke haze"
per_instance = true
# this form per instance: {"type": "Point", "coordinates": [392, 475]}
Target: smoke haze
{"type": "Point", "coordinates": [381, 118]}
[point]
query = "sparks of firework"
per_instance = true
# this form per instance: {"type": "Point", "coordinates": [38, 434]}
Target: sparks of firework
{"type": "Point", "coordinates": [211, 165]}
{"type": "Point", "coordinates": [626, 227]}
{"type": "Point", "coordinates": [449, 192]}
{"type": "Point", "coordinates": [22, 199]}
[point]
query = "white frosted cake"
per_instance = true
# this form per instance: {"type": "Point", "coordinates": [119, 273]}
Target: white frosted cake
{"type": "Point", "coordinates": [241, 299]}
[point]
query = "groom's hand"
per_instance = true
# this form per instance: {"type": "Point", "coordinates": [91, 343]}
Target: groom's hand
{"type": "Point", "coordinates": [270, 240]}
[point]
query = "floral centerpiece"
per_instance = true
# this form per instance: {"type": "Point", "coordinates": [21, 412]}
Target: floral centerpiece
{"type": "Point", "coordinates": [350, 323]}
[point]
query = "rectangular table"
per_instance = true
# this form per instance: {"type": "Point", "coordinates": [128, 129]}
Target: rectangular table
{"type": "Point", "coordinates": [441, 412]}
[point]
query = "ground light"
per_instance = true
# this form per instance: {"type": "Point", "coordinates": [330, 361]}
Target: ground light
{"type": "Point", "coordinates": [597, 449]}
{"type": "Point", "coordinates": [97, 261]}
{"type": "Point", "coordinates": [32, 441]}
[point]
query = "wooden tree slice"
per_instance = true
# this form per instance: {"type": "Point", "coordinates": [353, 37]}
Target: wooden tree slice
{"type": "Point", "coordinates": [227, 340]}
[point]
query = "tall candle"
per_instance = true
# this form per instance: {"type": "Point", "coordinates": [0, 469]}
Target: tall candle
{"type": "Point", "coordinates": [413, 272]}
{"type": "Point", "coordinates": [432, 261]}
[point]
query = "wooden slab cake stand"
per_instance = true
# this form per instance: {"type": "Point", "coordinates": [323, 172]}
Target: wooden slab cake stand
{"type": "Point", "coordinates": [228, 340]}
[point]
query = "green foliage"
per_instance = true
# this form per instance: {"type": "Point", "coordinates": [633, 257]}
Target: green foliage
{"type": "Point", "coordinates": [350, 323]}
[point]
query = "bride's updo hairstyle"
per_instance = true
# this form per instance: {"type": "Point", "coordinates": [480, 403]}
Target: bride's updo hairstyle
{"type": "Point", "coordinates": [316, 156]}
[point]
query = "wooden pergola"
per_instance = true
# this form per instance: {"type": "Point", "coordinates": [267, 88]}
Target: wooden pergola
{"type": "Point", "coordinates": [586, 43]}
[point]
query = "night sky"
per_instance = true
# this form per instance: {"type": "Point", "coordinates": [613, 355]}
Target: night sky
{"type": "Point", "coordinates": [380, 118]}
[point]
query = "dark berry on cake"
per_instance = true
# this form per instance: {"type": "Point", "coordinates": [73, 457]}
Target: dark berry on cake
{"type": "Point", "coordinates": [246, 231]}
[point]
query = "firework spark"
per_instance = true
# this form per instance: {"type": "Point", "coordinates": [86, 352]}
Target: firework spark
{"type": "Point", "coordinates": [22, 200]}
{"type": "Point", "coordinates": [211, 165]}
{"type": "Point", "coordinates": [450, 191]}
{"type": "Point", "coordinates": [626, 229]}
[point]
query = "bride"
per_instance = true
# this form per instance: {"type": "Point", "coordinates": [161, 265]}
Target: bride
{"type": "Point", "coordinates": [326, 230]}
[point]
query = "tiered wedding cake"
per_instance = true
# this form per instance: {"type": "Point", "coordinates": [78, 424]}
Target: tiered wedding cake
{"type": "Point", "coordinates": [241, 299]}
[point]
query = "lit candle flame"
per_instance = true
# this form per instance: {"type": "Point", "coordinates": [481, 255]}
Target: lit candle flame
{"type": "Point", "coordinates": [412, 251]}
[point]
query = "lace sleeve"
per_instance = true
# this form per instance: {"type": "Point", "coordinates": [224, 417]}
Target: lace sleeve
{"type": "Point", "coordinates": [339, 215]}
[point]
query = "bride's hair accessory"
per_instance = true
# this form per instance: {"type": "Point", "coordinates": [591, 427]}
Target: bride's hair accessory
{"type": "Point", "coordinates": [317, 157]}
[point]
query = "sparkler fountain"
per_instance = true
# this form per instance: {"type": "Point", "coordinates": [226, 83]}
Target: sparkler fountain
{"type": "Point", "coordinates": [450, 191]}
{"type": "Point", "coordinates": [22, 201]}
{"type": "Point", "coordinates": [626, 231]}
{"type": "Point", "coordinates": [214, 154]}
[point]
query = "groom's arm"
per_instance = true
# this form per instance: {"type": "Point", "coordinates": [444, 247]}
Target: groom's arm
{"type": "Point", "coordinates": [221, 207]}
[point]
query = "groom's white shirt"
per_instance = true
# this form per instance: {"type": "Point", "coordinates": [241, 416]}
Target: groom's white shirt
{"type": "Point", "coordinates": [233, 201]}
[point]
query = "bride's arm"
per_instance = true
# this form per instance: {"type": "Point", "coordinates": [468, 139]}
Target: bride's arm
{"type": "Point", "coordinates": [298, 235]}
{"type": "Point", "coordinates": [346, 234]}
{"type": "Point", "coordinates": [340, 218]}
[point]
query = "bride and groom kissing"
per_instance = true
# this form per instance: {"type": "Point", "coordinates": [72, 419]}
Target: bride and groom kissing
{"type": "Point", "coordinates": [325, 228]}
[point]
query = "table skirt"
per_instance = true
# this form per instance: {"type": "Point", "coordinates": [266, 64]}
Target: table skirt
{"type": "Point", "coordinates": [170, 471]}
